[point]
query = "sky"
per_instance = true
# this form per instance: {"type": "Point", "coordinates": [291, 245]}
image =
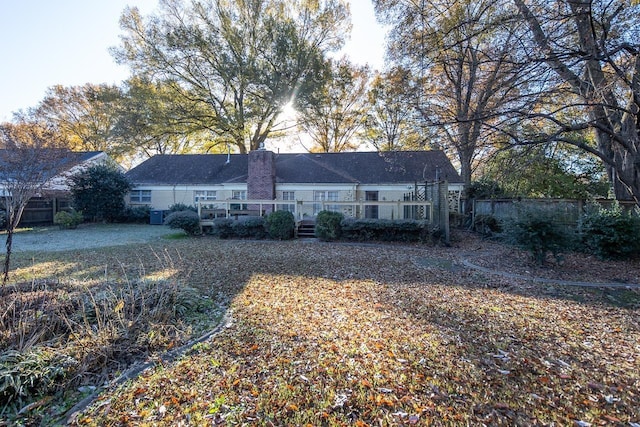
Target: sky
{"type": "Point", "coordinates": [44, 43]}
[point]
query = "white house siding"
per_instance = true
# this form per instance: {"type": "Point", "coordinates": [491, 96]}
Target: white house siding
{"type": "Point", "coordinates": [163, 196]}
{"type": "Point", "coordinates": [306, 193]}
{"type": "Point", "coordinates": [386, 193]}
{"type": "Point", "coordinates": [62, 181]}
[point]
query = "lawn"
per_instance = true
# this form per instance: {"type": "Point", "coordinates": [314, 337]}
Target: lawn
{"type": "Point", "coordinates": [337, 334]}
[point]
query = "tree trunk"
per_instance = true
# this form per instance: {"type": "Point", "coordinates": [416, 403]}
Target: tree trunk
{"type": "Point", "coordinates": [7, 256]}
{"type": "Point", "coordinates": [14, 214]}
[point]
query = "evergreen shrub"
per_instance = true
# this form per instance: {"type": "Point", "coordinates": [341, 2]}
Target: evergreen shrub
{"type": "Point", "coordinates": [328, 225]}
{"type": "Point", "coordinates": [249, 227]}
{"type": "Point", "coordinates": [186, 220]}
{"type": "Point", "coordinates": [535, 231]}
{"type": "Point", "coordinates": [610, 233]}
{"type": "Point", "coordinates": [136, 214]}
{"type": "Point", "coordinates": [280, 225]}
{"type": "Point", "coordinates": [405, 230]}
{"type": "Point", "coordinates": [69, 219]}
{"type": "Point", "coordinates": [222, 228]}
{"type": "Point", "coordinates": [177, 207]}
{"type": "Point", "coordinates": [486, 225]}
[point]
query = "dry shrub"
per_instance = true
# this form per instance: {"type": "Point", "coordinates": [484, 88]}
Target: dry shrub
{"type": "Point", "coordinates": [66, 335]}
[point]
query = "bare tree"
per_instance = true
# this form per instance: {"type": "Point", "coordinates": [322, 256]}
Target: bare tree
{"type": "Point", "coordinates": [469, 67]}
{"type": "Point", "coordinates": [392, 123]}
{"type": "Point", "coordinates": [29, 159]}
{"type": "Point", "coordinates": [338, 114]}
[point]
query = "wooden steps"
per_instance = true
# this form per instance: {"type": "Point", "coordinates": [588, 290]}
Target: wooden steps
{"type": "Point", "coordinates": [306, 229]}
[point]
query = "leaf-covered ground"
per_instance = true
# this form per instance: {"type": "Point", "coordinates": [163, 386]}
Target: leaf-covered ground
{"type": "Point", "coordinates": [338, 334]}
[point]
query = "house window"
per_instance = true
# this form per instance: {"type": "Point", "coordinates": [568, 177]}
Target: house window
{"type": "Point", "coordinates": [371, 211]}
{"type": "Point", "coordinates": [288, 195]}
{"type": "Point", "coordinates": [203, 196]}
{"type": "Point", "coordinates": [325, 196]}
{"type": "Point", "coordinates": [140, 196]}
{"type": "Point", "coordinates": [238, 195]}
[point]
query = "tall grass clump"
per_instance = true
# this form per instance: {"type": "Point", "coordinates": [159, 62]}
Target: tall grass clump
{"type": "Point", "coordinates": [56, 337]}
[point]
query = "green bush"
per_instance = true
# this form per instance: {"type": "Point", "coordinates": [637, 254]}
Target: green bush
{"type": "Point", "coordinates": [280, 225]}
{"type": "Point", "coordinates": [404, 230]}
{"type": "Point", "coordinates": [178, 207]}
{"type": "Point", "coordinates": [185, 220]}
{"type": "Point", "coordinates": [249, 227]}
{"type": "Point", "coordinates": [535, 231]}
{"type": "Point", "coordinates": [27, 375]}
{"type": "Point", "coordinates": [487, 225]}
{"type": "Point", "coordinates": [99, 192]}
{"type": "Point", "coordinates": [328, 225]}
{"type": "Point", "coordinates": [610, 233]}
{"type": "Point", "coordinates": [136, 214]}
{"type": "Point", "coordinates": [69, 219]}
{"type": "Point", "coordinates": [222, 228]}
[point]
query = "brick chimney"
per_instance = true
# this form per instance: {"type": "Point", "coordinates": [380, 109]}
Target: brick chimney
{"type": "Point", "coordinates": [261, 180]}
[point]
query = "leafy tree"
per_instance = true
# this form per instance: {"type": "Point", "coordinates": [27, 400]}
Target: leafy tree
{"type": "Point", "coordinates": [391, 120]}
{"type": "Point", "coordinates": [338, 113]}
{"type": "Point", "coordinates": [29, 158]}
{"type": "Point", "coordinates": [550, 170]}
{"type": "Point", "coordinates": [99, 192]}
{"type": "Point", "coordinates": [152, 121]}
{"type": "Point", "coordinates": [234, 65]}
{"type": "Point", "coordinates": [485, 188]}
{"type": "Point", "coordinates": [592, 48]}
{"type": "Point", "coordinates": [85, 117]}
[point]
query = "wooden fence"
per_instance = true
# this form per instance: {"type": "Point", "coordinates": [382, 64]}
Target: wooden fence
{"type": "Point", "coordinates": [562, 211]}
{"type": "Point", "coordinates": [40, 210]}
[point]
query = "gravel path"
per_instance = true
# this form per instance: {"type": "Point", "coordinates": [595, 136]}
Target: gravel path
{"type": "Point", "coordinates": [52, 239]}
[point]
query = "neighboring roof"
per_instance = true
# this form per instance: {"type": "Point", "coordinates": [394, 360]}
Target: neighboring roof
{"type": "Point", "coordinates": [64, 160]}
{"type": "Point", "coordinates": [70, 158]}
{"type": "Point", "coordinates": [323, 168]}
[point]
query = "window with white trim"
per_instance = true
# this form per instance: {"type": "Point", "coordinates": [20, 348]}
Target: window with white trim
{"type": "Point", "coordinates": [288, 195]}
{"type": "Point", "coordinates": [239, 195]}
{"type": "Point", "coordinates": [140, 196]}
{"type": "Point", "coordinates": [325, 196]}
{"type": "Point", "coordinates": [371, 211]}
{"type": "Point", "coordinates": [203, 195]}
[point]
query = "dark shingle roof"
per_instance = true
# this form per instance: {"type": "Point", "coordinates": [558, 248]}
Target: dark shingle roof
{"type": "Point", "coordinates": [337, 168]}
{"type": "Point", "coordinates": [190, 169]}
{"type": "Point", "coordinates": [59, 161]}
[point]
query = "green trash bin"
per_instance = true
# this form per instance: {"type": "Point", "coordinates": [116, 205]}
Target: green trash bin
{"type": "Point", "coordinates": [156, 217]}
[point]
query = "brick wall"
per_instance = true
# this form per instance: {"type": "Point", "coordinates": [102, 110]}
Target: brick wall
{"type": "Point", "coordinates": [261, 180]}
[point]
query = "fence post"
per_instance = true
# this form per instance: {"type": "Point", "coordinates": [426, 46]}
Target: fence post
{"type": "Point", "coordinates": [443, 201]}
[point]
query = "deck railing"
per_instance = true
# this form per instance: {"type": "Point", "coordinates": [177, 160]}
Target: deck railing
{"type": "Point", "coordinates": [303, 209]}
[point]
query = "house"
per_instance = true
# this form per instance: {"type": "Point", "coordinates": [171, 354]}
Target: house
{"type": "Point", "coordinates": [55, 195]}
{"type": "Point", "coordinates": [359, 184]}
